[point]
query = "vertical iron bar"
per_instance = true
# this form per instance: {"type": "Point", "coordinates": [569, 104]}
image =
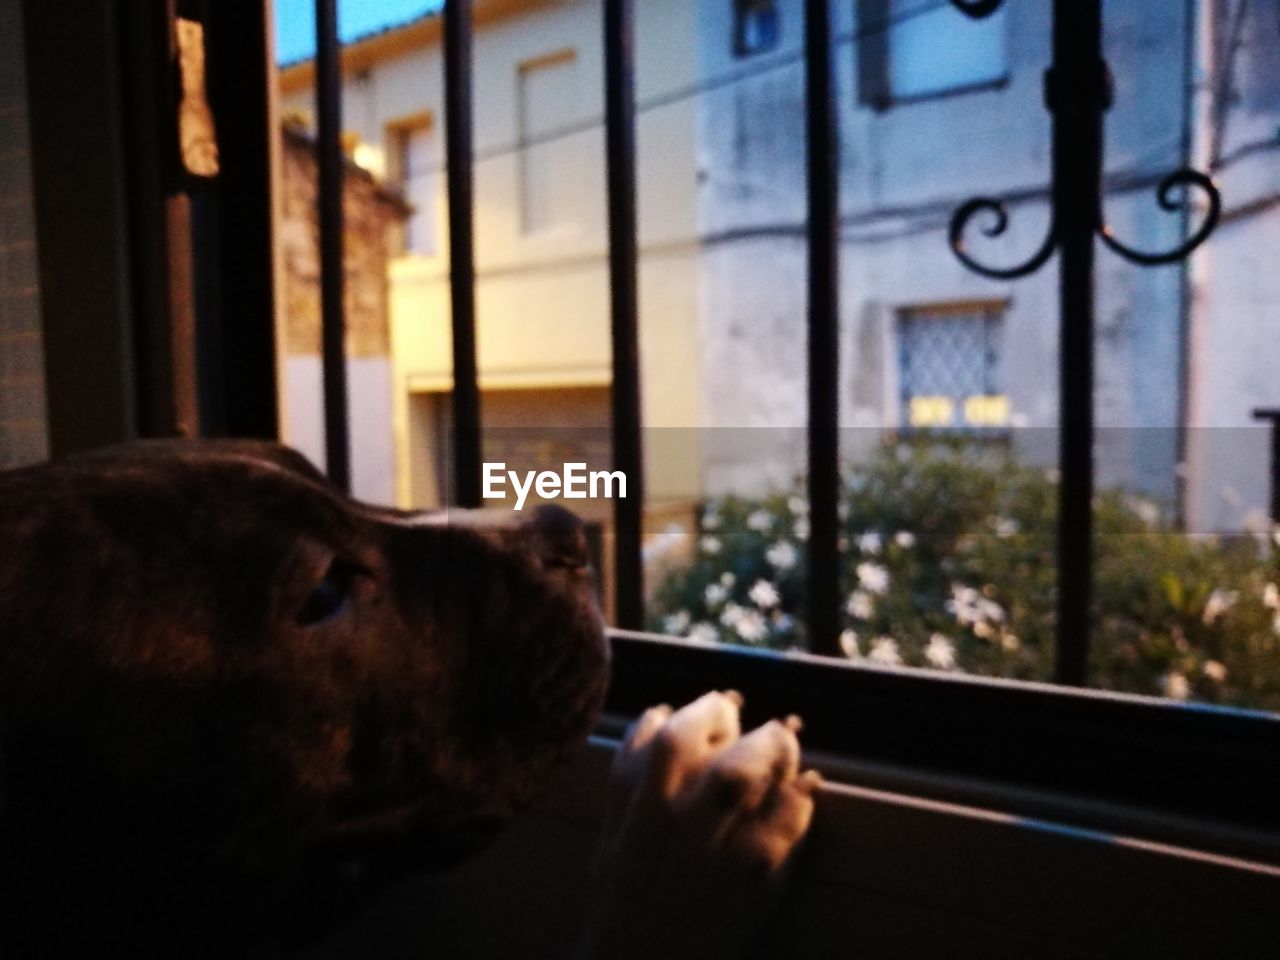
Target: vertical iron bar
{"type": "Point", "coordinates": [332, 285]}
{"type": "Point", "coordinates": [620, 134]}
{"type": "Point", "coordinates": [824, 354]}
{"type": "Point", "coordinates": [462, 268]}
{"type": "Point", "coordinates": [1077, 89]}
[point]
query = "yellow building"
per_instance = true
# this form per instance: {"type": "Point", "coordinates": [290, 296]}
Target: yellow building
{"type": "Point", "coordinates": [541, 238]}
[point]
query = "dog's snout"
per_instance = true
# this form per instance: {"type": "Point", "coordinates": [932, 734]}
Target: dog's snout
{"type": "Point", "coordinates": [560, 538]}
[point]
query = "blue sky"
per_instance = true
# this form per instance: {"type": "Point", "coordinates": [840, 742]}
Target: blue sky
{"type": "Point", "coordinates": [296, 22]}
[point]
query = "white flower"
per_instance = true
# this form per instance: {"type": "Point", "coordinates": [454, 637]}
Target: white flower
{"type": "Point", "coordinates": [1176, 686]}
{"type": "Point", "coordinates": [676, 623]}
{"type": "Point", "coordinates": [760, 520]}
{"type": "Point", "coordinates": [711, 520]}
{"type": "Point", "coordinates": [1219, 602]}
{"type": "Point", "coordinates": [782, 555]}
{"type": "Point", "coordinates": [940, 652]}
{"type": "Point", "coordinates": [1006, 527]}
{"type": "Point", "coordinates": [703, 633]}
{"type": "Point", "coordinates": [764, 595]}
{"type": "Point", "coordinates": [884, 651]}
{"type": "Point", "coordinates": [715, 594]}
{"type": "Point", "coordinates": [1271, 597]}
{"type": "Point", "coordinates": [727, 579]}
{"type": "Point", "coordinates": [971, 608]}
{"type": "Point", "coordinates": [800, 529]}
{"type": "Point", "coordinates": [849, 644]}
{"type": "Point", "coordinates": [751, 626]}
{"type": "Point", "coordinates": [870, 543]}
{"type": "Point", "coordinates": [1215, 671]}
{"type": "Point", "coordinates": [860, 606]}
{"type": "Point", "coordinates": [873, 577]}
{"type": "Point", "coordinates": [1144, 510]}
{"type": "Point", "coordinates": [963, 604]}
{"type": "Point", "coordinates": [732, 616]}
{"type": "Point", "coordinates": [905, 539]}
{"type": "Point", "coordinates": [798, 506]}
{"type": "Point", "coordinates": [710, 545]}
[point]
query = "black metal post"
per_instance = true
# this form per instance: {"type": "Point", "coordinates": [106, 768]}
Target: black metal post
{"type": "Point", "coordinates": [1077, 90]}
{"type": "Point", "coordinates": [1078, 94]}
{"type": "Point", "coordinates": [1273, 417]}
{"type": "Point", "coordinates": [332, 282]}
{"type": "Point", "coordinates": [462, 268]}
{"type": "Point", "coordinates": [824, 353]}
{"type": "Point", "coordinates": [620, 134]}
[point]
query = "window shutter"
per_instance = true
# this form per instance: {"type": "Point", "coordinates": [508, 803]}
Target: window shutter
{"type": "Point", "coordinates": [872, 32]}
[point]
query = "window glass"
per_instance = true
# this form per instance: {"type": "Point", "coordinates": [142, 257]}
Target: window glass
{"type": "Point", "coordinates": [927, 57]}
{"type": "Point", "coordinates": [420, 184]}
{"type": "Point", "coordinates": [757, 26]}
{"type": "Point", "coordinates": [548, 97]}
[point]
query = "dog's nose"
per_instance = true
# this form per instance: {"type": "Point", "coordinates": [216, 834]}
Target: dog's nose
{"type": "Point", "coordinates": [560, 540]}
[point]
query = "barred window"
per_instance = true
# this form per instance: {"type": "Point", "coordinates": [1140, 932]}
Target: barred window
{"type": "Point", "coordinates": [949, 367]}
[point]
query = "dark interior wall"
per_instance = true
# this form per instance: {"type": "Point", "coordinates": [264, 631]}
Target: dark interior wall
{"type": "Point", "coordinates": [23, 422]}
{"type": "Point", "coordinates": [78, 169]}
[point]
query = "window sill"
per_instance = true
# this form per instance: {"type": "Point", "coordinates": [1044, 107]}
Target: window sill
{"type": "Point", "coordinates": [1179, 773]}
{"type": "Point", "coordinates": [985, 86]}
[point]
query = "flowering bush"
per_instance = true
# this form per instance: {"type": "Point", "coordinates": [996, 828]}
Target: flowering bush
{"type": "Point", "coordinates": [949, 564]}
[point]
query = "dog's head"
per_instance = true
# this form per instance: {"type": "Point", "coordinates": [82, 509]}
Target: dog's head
{"type": "Point", "coordinates": [212, 662]}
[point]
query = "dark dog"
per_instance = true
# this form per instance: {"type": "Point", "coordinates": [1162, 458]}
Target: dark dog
{"type": "Point", "coordinates": [227, 693]}
{"type": "Point", "coordinates": [232, 700]}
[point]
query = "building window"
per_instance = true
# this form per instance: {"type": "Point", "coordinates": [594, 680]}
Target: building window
{"type": "Point", "coordinates": [411, 150]}
{"type": "Point", "coordinates": [949, 367]}
{"type": "Point", "coordinates": [757, 26]}
{"type": "Point", "coordinates": [551, 154]}
{"type": "Point", "coordinates": [908, 51]}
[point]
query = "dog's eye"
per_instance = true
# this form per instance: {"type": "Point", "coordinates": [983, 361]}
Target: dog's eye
{"type": "Point", "coordinates": [329, 596]}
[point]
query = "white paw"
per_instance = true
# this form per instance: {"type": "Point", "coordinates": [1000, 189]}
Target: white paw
{"type": "Point", "coordinates": [704, 821]}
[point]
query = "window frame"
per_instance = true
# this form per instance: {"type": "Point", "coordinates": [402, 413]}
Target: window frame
{"type": "Point", "coordinates": [1171, 771]}
{"type": "Point", "coordinates": [395, 136]}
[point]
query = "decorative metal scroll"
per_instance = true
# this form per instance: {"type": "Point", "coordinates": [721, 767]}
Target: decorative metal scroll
{"type": "Point", "coordinates": [1173, 194]}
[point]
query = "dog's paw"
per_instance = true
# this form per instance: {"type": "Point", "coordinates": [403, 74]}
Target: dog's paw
{"type": "Point", "coordinates": [704, 821]}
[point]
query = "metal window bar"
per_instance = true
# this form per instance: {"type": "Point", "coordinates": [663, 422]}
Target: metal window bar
{"type": "Point", "coordinates": [1078, 94]}
{"type": "Point", "coordinates": [620, 148]}
{"type": "Point", "coordinates": [330, 163]}
{"type": "Point", "coordinates": [824, 339]}
{"type": "Point", "coordinates": [462, 270]}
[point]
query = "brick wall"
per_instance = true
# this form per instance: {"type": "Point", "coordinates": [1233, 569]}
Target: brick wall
{"type": "Point", "coordinates": [23, 427]}
{"type": "Point", "coordinates": [370, 211]}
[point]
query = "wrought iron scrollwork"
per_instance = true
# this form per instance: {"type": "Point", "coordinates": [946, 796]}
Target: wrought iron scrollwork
{"type": "Point", "coordinates": [1180, 180]}
{"type": "Point", "coordinates": [977, 9]}
{"type": "Point", "coordinates": [997, 227]}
